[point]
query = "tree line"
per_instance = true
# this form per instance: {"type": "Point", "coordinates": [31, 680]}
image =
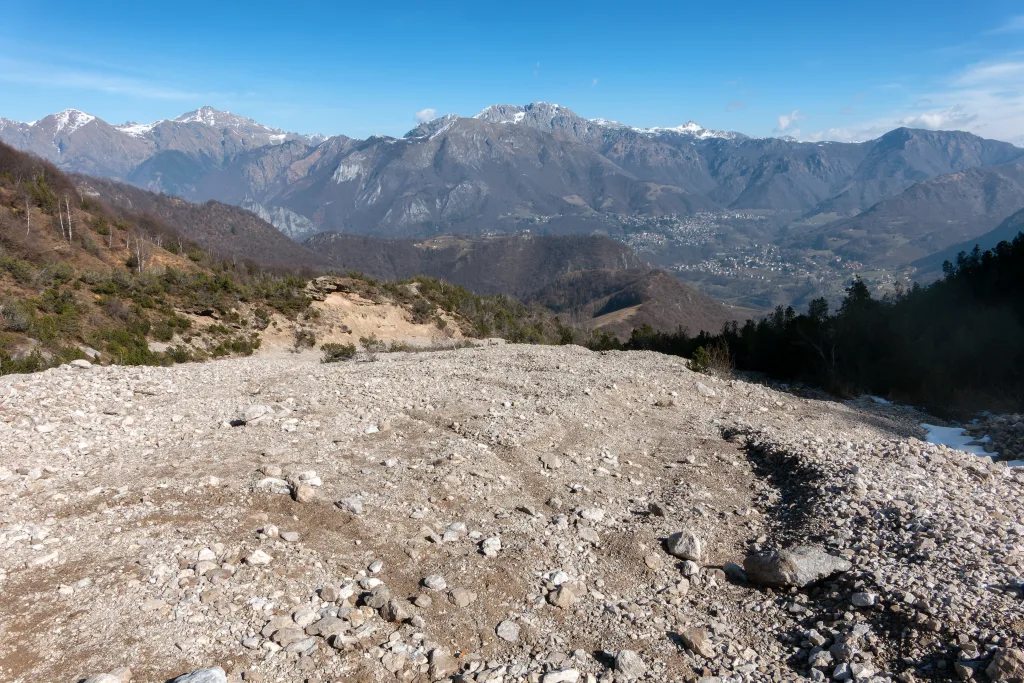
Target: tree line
{"type": "Point", "coordinates": [954, 347]}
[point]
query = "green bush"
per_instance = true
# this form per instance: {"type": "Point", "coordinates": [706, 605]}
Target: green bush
{"type": "Point", "coordinates": [334, 353]}
{"type": "Point", "coordinates": [304, 339]}
{"type": "Point", "coordinates": [701, 360]}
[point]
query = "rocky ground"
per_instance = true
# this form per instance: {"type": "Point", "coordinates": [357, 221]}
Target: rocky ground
{"type": "Point", "coordinates": [507, 513]}
{"type": "Point", "coordinates": [1005, 435]}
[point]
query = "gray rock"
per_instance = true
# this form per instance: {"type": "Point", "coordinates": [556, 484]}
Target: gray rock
{"type": "Point", "coordinates": [378, 597]}
{"type": "Point", "coordinates": [258, 557]}
{"type": "Point", "coordinates": [686, 545]}
{"type": "Point", "coordinates": [257, 411]}
{"type": "Point", "coordinates": [435, 582]}
{"type": "Point", "coordinates": [735, 572]}
{"type": "Point", "coordinates": [395, 611]}
{"type": "Point", "coordinates": [442, 664]}
{"type": "Point", "coordinates": [797, 566]}
{"type": "Point", "coordinates": [508, 631]}
{"type": "Point", "coordinates": [461, 597]}
{"type": "Point", "coordinates": [697, 641]}
{"type": "Point", "coordinates": [1007, 665]}
{"type": "Point", "coordinates": [562, 597]}
{"type": "Point", "coordinates": [304, 493]}
{"type": "Point", "coordinates": [863, 599]}
{"type": "Point", "coordinates": [629, 665]}
{"type": "Point", "coordinates": [704, 390]}
{"type": "Point", "coordinates": [352, 505]}
{"type": "Point", "coordinates": [490, 546]}
{"type": "Point", "coordinates": [212, 675]}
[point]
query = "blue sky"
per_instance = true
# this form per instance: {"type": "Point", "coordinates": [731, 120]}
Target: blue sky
{"type": "Point", "coordinates": [811, 70]}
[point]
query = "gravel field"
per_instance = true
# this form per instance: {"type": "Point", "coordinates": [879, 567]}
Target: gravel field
{"type": "Point", "coordinates": [500, 513]}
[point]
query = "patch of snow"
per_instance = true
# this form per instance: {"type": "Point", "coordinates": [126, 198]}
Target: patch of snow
{"type": "Point", "coordinates": [954, 438]}
{"type": "Point", "coordinates": [138, 130]}
{"type": "Point", "coordinates": [880, 400]}
{"type": "Point", "coordinates": [607, 123]}
{"type": "Point", "coordinates": [442, 129]}
{"type": "Point", "coordinates": [71, 120]}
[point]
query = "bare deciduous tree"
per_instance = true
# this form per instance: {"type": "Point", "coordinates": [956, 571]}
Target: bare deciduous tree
{"type": "Point", "coordinates": [68, 205]}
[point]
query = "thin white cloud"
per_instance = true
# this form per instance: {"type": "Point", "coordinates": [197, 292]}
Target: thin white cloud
{"type": "Point", "coordinates": [787, 120]}
{"type": "Point", "coordinates": [593, 83]}
{"type": "Point", "coordinates": [986, 99]}
{"type": "Point", "coordinates": [1012, 25]}
{"type": "Point", "coordinates": [991, 73]}
{"type": "Point", "coordinates": [424, 115]}
{"type": "Point", "coordinates": [28, 73]}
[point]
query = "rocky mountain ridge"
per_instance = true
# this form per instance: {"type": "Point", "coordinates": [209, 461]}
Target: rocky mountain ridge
{"type": "Point", "coordinates": [504, 169]}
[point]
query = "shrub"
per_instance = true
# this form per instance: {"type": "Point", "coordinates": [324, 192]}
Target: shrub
{"type": "Point", "coordinates": [22, 271]}
{"type": "Point", "coordinates": [422, 311]}
{"type": "Point", "coordinates": [713, 360]}
{"type": "Point", "coordinates": [304, 339]}
{"type": "Point", "coordinates": [16, 316]}
{"type": "Point", "coordinates": [89, 245]}
{"type": "Point", "coordinates": [179, 354]}
{"type": "Point", "coordinates": [261, 318]}
{"type": "Point", "coordinates": [701, 360]}
{"type": "Point", "coordinates": [334, 353]}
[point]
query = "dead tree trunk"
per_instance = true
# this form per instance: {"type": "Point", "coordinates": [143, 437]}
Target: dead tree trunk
{"type": "Point", "coordinates": [67, 204]}
{"type": "Point", "coordinates": [28, 218]}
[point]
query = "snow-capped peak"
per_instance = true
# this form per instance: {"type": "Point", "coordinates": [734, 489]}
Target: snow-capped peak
{"type": "Point", "coordinates": [689, 128]}
{"type": "Point", "coordinates": [138, 130]}
{"type": "Point", "coordinates": [70, 120]}
{"type": "Point", "coordinates": [513, 113]}
{"type": "Point", "coordinates": [222, 119]}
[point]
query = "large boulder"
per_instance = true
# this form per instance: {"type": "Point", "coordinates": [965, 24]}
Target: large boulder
{"type": "Point", "coordinates": [212, 675]}
{"type": "Point", "coordinates": [797, 566]}
{"type": "Point", "coordinates": [685, 545]}
{"type": "Point", "coordinates": [1007, 666]}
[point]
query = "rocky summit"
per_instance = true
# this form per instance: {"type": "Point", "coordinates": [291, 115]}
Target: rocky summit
{"type": "Point", "coordinates": [497, 513]}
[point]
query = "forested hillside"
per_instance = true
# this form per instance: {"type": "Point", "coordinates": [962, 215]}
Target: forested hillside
{"type": "Point", "coordinates": [954, 346]}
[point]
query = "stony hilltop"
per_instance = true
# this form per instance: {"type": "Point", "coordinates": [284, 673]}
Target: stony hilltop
{"type": "Point", "coordinates": [496, 513]}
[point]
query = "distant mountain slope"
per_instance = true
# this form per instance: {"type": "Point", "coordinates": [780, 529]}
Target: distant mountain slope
{"type": "Point", "coordinates": [927, 217]}
{"type": "Point", "coordinates": [595, 281]}
{"type": "Point", "coordinates": [507, 168]}
{"type": "Point", "coordinates": [930, 267]}
{"type": "Point", "coordinates": [517, 265]}
{"type": "Point", "coordinates": [618, 301]}
{"type": "Point", "coordinates": [905, 156]}
{"type": "Point", "coordinates": [224, 230]}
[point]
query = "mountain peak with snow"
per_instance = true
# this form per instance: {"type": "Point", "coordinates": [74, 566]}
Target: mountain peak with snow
{"type": "Point", "coordinates": [69, 120]}
{"type": "Point", "coordinates": [209, 116]}
{"type": "Point", "coordinates": [548, 116]}
{"type": "Point", "coordinates": [690, 129]}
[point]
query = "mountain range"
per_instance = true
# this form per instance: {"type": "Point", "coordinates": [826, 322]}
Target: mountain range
{"type": "Point", "coordinates": [541, 167]}
{"type": "Point", "coordinates": [508, 165]}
